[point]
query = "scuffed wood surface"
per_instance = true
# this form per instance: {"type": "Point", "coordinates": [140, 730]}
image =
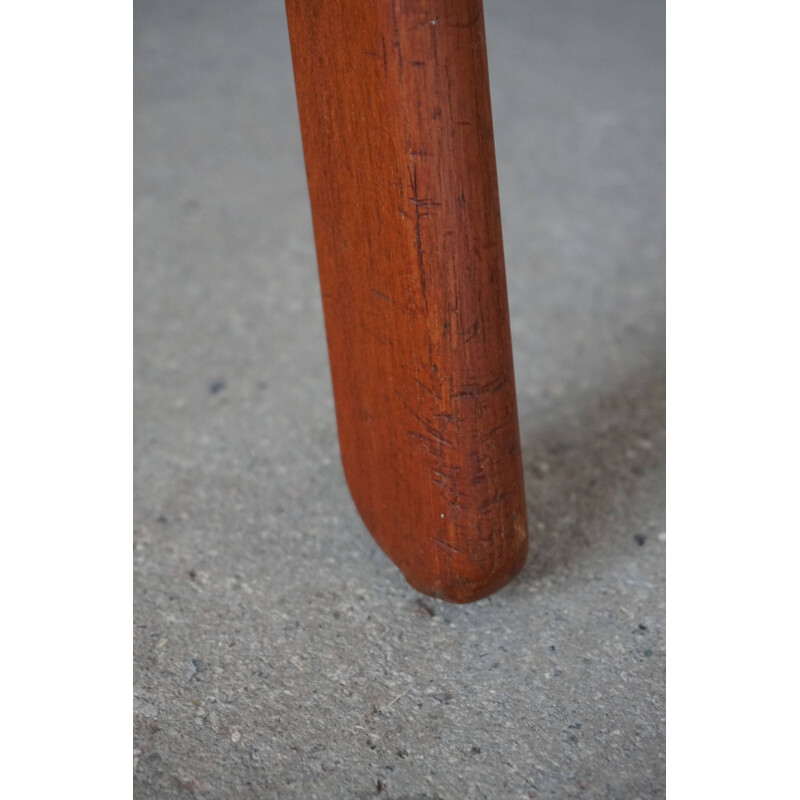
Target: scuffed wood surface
{"type": "Point", "coordinates": [397, 135]}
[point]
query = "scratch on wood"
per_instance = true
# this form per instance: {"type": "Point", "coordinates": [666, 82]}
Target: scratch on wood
{"type": "Point", "coordinates": [473, 20]}
{"type": "Point", "coordinates": [399, 306]}
{"type": "Point", "coordinates": [490, 433]}
{"type": "Point", "coordinates": [446, 546]}
{"type": "Point", "coordinates": [432, 430]}
{"type": "Point", "coordinates": [433, 41]}
{"type": "Point", "coordinates": [418, 230]}
{"type": "Point", "coordinates": [382, 295]}
{"type": "Point", "coordinates": [396, 42]}
{"type": "Point", "coordinates": [427, 388]}
{"type": "Point", "coordinates": [429, 444]}
{"type": "Point", "coordinates": [492, 501]}
{"type": "Point", "coordinates": [470, 333]}
{"type": "Point", "coordinates": [479, 475]}
{"type": "Point", "coordinates": [473, 390]}
{"type": "Point", "coordinates": [447, 478]}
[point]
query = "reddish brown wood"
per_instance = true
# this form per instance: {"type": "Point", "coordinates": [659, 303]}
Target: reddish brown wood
{"type": "Point", "coordinates": [397, 134]}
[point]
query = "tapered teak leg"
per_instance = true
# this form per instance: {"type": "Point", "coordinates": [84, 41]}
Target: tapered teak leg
{"type": "Point", "coordinates": [397, 134]}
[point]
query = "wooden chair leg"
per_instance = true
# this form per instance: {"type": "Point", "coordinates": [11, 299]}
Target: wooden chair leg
{"type": "Point", "coordinates": [397, 135]}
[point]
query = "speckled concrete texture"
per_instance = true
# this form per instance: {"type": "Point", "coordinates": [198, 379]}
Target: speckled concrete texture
{"type": "Point", "coordinates": [278, 653]}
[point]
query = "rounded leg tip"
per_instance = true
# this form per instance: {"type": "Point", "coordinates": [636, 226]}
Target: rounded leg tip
{"type": "Point", "coordinates": [470, 587]}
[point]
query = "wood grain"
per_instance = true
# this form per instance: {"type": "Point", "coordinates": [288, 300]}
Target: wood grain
{"type": "Point", "coordinates": [396, 122]}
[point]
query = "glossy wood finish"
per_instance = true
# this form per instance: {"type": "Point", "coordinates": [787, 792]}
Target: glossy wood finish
{"type": "Point", "coordinates": [397, 134]}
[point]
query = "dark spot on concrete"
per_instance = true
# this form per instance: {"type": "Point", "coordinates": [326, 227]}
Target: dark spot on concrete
{"type": "Point", "coordinates": [648, 653]}
{"type": "Point", "coordinates": [559, 446]}
{"type": "Point", "coordinates": [198, 666]}
{"type": "Point", "coordinates": [192, 574]}
{"type": "Point", "coordinates": [215, 387]}
{"type": "Point", "coordinates": [424, 609]}
{"type": "Point", "coordinates": [540, 471]}
{"type": "Point", "coordinates": [475, 750]}
{"type": "Point", "coordinates": [552, 648]}
{"type": "Point", "coordinates": [381, 786]}
{"type": "Point", "coordinates": [162, 520]}
{"type": "Point", "coordinates": [575, 726]}
{"type": "Point", "coordinates": [640, 539]}
{"type": "Point", "coordinates": [187, 785]}
{"type": "Point", "coordinates": [402, 753]}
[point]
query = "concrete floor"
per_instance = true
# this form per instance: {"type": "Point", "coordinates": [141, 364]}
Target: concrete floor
{"type": "Point", "coordinates": [278, 653]}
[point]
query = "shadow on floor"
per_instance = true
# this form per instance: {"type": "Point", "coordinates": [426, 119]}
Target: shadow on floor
{"type": "Point", "coordinates": [589, 471]}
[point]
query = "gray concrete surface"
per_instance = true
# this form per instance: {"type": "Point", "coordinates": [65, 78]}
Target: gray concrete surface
{"type": "Point", "coordinates": [278, 653]}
